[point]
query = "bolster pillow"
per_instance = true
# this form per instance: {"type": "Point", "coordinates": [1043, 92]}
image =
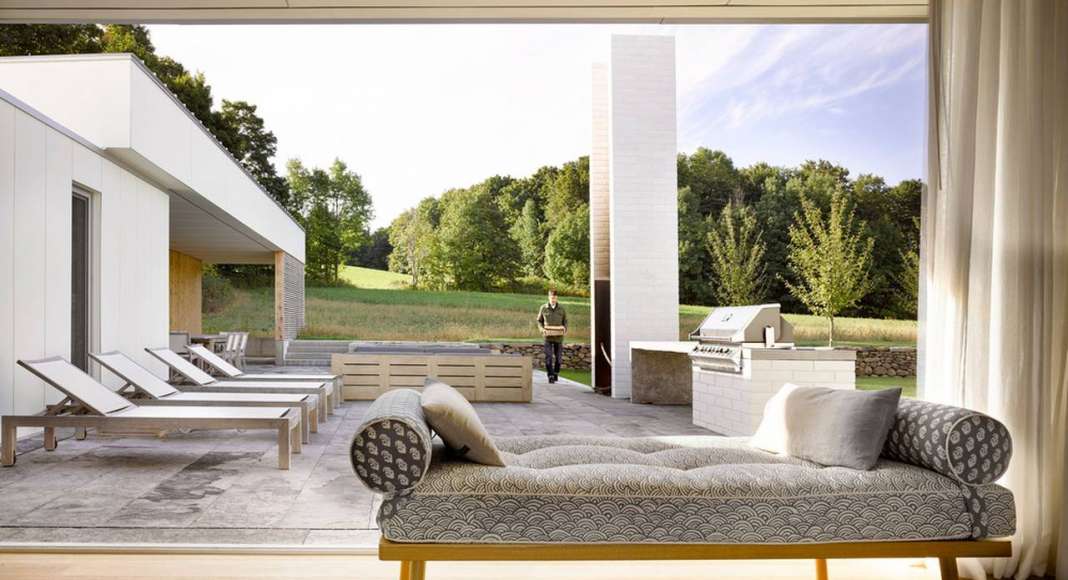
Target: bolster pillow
{"type": "Point", "coordinates": [391, 449]}
{"type": "Point", "coordinates": [967, 446]}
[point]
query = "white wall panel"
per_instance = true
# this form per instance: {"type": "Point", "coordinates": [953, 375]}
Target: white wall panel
{"type": "Point", "coordinates": [77, 102]}
{"type": "Point", "coordinates": [86, 167]}
{"type": "Point", "coordinates": [31, 170]}
{"type": "Point", "coordinates": [57, 245]}
{"type": "Point", "coordinates": [38, 168]}
{"type": "Point", "coordinates": [7, 255]}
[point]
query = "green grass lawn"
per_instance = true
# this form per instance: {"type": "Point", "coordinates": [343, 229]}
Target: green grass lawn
{"type": "Point", "coordinates": [584, 377]}
{"type": "Point", "coordinates": [378, 307]}
{"type": "Point", "coordinates": [371, 278]}
{"type": "Point", "coordinates": [907, 384]}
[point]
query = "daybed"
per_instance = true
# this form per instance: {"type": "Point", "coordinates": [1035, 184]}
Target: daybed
{"type": "Point", "coordinates": [595, 498]}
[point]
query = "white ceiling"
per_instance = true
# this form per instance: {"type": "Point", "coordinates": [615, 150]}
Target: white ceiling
{"type": "Point", "coordinates": [286, 11]}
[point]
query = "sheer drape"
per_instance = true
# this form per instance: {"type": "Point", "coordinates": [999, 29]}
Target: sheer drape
{"type": "Point", "coordinates": [994, 300]}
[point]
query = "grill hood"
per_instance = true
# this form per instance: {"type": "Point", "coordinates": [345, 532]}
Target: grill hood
{"type": "Point", "coordinates": [743, 324]}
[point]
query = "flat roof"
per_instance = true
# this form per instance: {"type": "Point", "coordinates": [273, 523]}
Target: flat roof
{"type": "Point", "coordinates": [393, 11]}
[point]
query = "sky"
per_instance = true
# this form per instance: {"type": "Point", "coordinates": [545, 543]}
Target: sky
{"type": "Point", "coordinates": [418, 109]}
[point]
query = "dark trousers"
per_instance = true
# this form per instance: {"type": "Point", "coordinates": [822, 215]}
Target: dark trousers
{"type": "Point", "coordinates": [554, 355]}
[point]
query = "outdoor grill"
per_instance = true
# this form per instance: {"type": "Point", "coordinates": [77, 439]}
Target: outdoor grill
{"type": "Point", "coordinates": [744, 355]}
{"type": "Point", "coordinates": [727, 331]}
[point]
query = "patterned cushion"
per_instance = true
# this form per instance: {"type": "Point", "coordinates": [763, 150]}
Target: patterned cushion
{"type": "Point", "coordinates": [684, 490]}
{"type": "Point", "coordinates": [391, 450]}
{"type": "Point", "coordinates": [970, 447]}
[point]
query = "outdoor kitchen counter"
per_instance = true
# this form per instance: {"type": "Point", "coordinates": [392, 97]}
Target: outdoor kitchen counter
{"type": "Point", "coordinates": [660, 372]}
{"type": "Point", "coordinates": [732, 403]}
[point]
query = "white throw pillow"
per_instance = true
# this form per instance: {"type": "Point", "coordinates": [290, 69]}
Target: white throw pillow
{"type": "Point", "coordinates": [827, 426]}
{"type": "Point", "coordinates": [453, 418]}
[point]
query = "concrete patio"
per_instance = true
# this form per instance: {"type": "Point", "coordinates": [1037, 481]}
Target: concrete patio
{"type": "Point", "coordinates": [224, 488]}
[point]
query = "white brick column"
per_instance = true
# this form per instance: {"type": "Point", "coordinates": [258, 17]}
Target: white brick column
{"type": "Point", "coordinates": [643, 206]}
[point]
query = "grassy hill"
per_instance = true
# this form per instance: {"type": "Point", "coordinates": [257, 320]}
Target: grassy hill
{"type": "Point", "coordinates": [370, 278]}
{"type": "Point", "coordinates": [379, 307]}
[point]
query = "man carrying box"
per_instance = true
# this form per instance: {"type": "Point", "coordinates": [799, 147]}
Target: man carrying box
{"type": "Point", "coordinates": [552, 321]}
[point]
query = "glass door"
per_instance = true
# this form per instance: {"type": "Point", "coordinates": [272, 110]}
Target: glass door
{"type": "Point", "coordinates": [80, 257]}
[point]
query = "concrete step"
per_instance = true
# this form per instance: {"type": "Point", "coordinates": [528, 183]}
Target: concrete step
{"type": "Point", "coordinates": [305, 362]}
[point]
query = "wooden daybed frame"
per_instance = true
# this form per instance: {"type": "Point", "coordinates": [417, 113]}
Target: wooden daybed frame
{"type": "Point", "coordinates": [414, 557]}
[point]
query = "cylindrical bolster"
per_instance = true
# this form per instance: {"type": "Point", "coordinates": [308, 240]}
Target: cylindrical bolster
{"type": "Point", "coordinates": [391, 450]}
{"type": "Point", "coordinates": [970, 447]}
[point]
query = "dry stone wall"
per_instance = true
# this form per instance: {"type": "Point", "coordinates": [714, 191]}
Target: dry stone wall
{"type": "Point", "coordinates": [576, 356]}
{"type": "Point", "coordinates": [871, 361]}
{"type": "Point", "coordinates": [886, 362]}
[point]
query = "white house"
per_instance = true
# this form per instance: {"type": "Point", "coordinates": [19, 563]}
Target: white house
{"type": "Point", "coordinates": [112, 197]}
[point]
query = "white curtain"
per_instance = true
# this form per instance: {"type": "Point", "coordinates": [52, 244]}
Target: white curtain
{"type": "Point", "coordinates": [994, 297]}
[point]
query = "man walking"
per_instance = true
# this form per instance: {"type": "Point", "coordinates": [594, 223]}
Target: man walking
{"type": "Point", "coordinates": [552, 320]}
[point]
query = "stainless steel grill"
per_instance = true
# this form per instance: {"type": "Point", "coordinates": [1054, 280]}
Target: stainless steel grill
{"type": "Point", "coordinates": [727, 331]}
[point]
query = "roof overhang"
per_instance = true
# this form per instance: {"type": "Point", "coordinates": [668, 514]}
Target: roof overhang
{"type": "Point", "coordinates": [219, 213]}
{"type": "Point", "coordinates": [416, 11]}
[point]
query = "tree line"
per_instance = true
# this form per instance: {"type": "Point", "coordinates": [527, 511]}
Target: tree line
{"type": "Point", "coordinates": [809, 237]}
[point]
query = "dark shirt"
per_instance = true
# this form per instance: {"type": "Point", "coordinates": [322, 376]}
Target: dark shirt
{"type": "Point", "coordinates": [550, 316]}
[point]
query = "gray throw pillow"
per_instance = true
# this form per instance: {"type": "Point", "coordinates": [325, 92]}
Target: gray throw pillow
{"type": "Point", "coordinates": [827, 426]}
{"type": "Point", "coordinates": [453, 418]}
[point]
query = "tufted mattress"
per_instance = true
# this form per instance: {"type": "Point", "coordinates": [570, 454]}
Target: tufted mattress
{"type": "Point", "coordinates": [571, 489]}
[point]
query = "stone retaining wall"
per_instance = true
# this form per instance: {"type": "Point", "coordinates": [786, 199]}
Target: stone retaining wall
{"type": "Point", "coordinates": [886, 362]}
{"type": "Point", "coordinates": [871, 361]}
{"type": "Point", "coordinates": [576, 356]}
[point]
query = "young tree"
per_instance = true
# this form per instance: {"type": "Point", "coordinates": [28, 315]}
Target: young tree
{"type": "Point", "coordinates": [830, 258]}
{"type": "Point", "coordinates": [908, 280]}
{"type": "Point", "coordinates": [335, 209]}
{"type": "Point", "coordinates": [410, 234]}
{"type": "Point", "coordinates": [737, 250]}
{"type": "Point", "coordinates": [567, 254]}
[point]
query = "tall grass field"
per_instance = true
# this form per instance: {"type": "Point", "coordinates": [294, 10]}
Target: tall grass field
{"type": "Point", "coordinates": [378, 306]}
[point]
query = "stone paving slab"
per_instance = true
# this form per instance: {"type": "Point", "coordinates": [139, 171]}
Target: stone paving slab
{"type": "Point", "coordinates": [223, 487]}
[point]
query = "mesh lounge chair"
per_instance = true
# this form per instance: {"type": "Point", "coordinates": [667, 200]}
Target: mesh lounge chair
{"type": "Point", "coordinates": [216, 363]}
{"type": "Point", "coordinates": [199, 380]}
{"type": "Point", "coordinates": [148, 389]}
{"type": "Point", "coordinates": [90, 405]}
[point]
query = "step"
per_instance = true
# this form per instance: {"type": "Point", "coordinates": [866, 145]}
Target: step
{"type": "Point", "coordinates": [303, 362]}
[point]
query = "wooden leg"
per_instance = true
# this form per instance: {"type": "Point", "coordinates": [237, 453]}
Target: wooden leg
{"type": "Point", "coordinates": [50, 438]}
{"type": "Point", "coordinates": [948, 567]}
{"type": "Point", "coordinates": [313, 418]}
{"type": "Point", "coordinates": [324, 406]}
{"type": "Point", "coordinates": [821, 569]}
{"type": "Point", "coordinates": [283, 447]}
{"type": "Point", "coordinates": [305, 425]}
{"type": "Point", "coordinates": [296, 439]}
{"type": "Point", "coordinates": [405, 571]}
{"type": "Point", "coordinates": [418, 570]}
{"type": "Point", "coordinates": [8, 439]}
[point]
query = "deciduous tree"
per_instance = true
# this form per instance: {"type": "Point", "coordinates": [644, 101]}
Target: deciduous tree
{"type": "Point", "coordinates": [567, 254]}
{"type": "Point", "coordinates": [737, 257]}
{"type": "Point", "coordinates": [830, 258]}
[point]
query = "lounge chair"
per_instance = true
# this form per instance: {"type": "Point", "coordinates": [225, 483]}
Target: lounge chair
{"type": "Point", "coordinates": [198, 380]}
{"type": "Point", "coordinates": [227, 371]}
{"type": "Point", "coordinates": [148, 389]}
{"type": "Point", "coordinates": [90, 405]}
